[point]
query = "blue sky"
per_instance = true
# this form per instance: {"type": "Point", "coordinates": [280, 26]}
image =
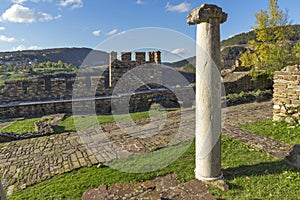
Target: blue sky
{"type": "Point", "coordinates": [38, 24]}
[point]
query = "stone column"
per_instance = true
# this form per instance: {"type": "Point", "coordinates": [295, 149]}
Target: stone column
{"type": "Point", "coordinates": [2, 192]}
{"type": "Point", "coordinates": [208, 90]}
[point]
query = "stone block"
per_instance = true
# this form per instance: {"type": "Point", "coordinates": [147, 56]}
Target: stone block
{"type": "Point", "coordinates": [293, 158]}
{"type": "Point", "coordinates": [284, 100]}
{"type": "Point", "coordinates": [276, 107]}
{"type": "Point", "coordinates": [292, 69]}
{"type": "Point", "coordinates": [280, 86]}
{"type": "Point", "coordinates": [296, 102]}
{"type": "Point", "coordinates": [290, 78]}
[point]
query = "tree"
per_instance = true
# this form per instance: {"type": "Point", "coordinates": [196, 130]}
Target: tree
{"type": "Point", "coordinates": [60, 64]}
{"type": "Point", "coordinates": [271, 50]}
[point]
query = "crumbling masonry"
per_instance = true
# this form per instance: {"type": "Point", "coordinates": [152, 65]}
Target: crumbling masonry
{"type": "Point", "coordinates": [53, 93]}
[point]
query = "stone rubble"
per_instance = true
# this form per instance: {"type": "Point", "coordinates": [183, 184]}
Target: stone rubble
{"type": "Point", "coordinates": [166, 187]}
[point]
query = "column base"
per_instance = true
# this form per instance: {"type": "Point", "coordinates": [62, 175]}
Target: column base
{"type": "Point", "coordinates": [211, 179]}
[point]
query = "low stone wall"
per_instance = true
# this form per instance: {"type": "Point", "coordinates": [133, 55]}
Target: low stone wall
{"type": "Point", "coordinates": [51, 87]}
{"type": "Point", "coordinates": [286, 96]}
{"type": "Point", "coordinates": [241, 81]}
{"type": "Point", "coordinates": [141, 101]}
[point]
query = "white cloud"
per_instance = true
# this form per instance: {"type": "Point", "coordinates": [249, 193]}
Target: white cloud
{"type": "Point", "coordinates": [34, 1]}
{"type": "Point", "coordinates": [37, 1]}
{"type": "Point", "coordinates": [112, 32]}
{"type": "Point", "coordinates": [96, 33]}
{"type": "Point", "coordinates": [19, 48]}
{"type": "Point", "coordinates": [140, 2]}
{"type": "Point", "coordinates": [4, 38]}
{"type": "Point", "coordinates": [33, 47]}
{"type": "Point", "coordinates": [23, 47]}
{"type": "Point", "coordinates": [73, 3]}
{"type": "Point", "coordinates": [18, 1]}
{"type": "Point", "coordinates": [2, 28]}
{"type": "Point", "coordinates": [18, 14]}
{"type": "Point", "coordinates": [179, 51]}
{"type": "Point", "coordinates": [122, 33]}
{"type": "Point", "coordinates": [46, 17]}
{"type": "Point", "coordinates": [183, 7]}
{"type": "Point", "coordinates": [57, 16]}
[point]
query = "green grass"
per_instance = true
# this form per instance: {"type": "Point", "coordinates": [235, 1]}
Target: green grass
{"type": "Point", "coordinates": [21, 126]}
{"type": "Point", "coordinates": [288, 133]}
{"type": "Point", "coordinates": [244, 97]}
{"type": "Point", "coordinates": [251, 174]}
{"type": "Point", "coordinates": [2, 82]}
{"type": "Point", "coordinates": [73, 123]}
{"type": "Point", "coordinates": [82, 122]}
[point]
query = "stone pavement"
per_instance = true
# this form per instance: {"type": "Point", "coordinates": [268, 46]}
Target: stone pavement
{"type": "Point", "coordinates": [248, 113]}
{"type": "Point", "coordinates": [165, 187]}
{"type": "Point", "coordinates": [27, 162]}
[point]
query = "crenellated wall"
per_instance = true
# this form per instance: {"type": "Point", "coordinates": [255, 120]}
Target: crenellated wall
{"type": "Point", "coordinates": [286, 96]}
{"type": "Point", "coordinates": [60, 85]}
{"type": "Point", "coordinates": [117, 68]}
{"type": "Point", "coordinates": [53, 93]}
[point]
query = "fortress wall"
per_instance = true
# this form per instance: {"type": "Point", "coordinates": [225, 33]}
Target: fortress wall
{"type": "Point", "coordinates": [135, 102]}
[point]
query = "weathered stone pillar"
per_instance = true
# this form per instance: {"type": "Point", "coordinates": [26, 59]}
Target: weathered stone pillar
{"type": "Point", "coordinates": [112, 58]}
{"type": "Point", "coordinates": [2, 192]}
{"type": "Point", "coordinates": [208, 90]}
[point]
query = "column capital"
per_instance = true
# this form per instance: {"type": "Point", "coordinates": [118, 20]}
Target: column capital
{"type": "Point", "coordinates": [206, 12]}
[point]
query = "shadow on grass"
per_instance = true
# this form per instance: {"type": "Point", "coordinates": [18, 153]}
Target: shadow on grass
{"type": "Point", "coordinates": [59, 129]}
{"type": "Point", "coordinates": [260, 169]}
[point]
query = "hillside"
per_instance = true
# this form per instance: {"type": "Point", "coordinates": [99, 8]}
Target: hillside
{"type": "Point", "coordinates": [74, 56]}
{"type": "Point", "coordinates": [239, 39]}
{"type": "Point", "coordinates": [231, 48]}
{"type": "Point", "coordinates": [243, 38]}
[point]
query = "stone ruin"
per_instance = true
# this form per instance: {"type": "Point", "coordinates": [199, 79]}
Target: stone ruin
{"type": "Point", "coordinates": [117, 68]}
{"type": "Point", "coordinates": [54, 93]}
{"type": "Point", "coordinates": [60, 85]}
{"type": "Point", "coordinates": [286, 96]}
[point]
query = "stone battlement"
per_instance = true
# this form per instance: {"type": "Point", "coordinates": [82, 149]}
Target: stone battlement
{"type": "Point", "coordinates": [117, 68]}
{"type": "Point", "coordinates": [60, 85]}
{"type": "Point", "coordinates": [140, 57]}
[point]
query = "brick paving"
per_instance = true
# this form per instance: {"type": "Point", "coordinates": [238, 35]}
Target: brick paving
{"type": "Point", "coordinates": [27, 162]}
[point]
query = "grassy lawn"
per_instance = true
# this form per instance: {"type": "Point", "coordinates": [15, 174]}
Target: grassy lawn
{"type": "Point", "coordinates": [82, 122]}
{"type": "Point", "coordinates": [251, 174]}
{"type": "Point", "coordinates": [288, 133]}
{"type": "Point", "coordinates": [21, 126]}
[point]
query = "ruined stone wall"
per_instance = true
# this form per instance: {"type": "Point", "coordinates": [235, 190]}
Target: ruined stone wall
{"type": "Point", "coordinates": [53, 93]}
{"type": "Point", "coordinates": [51, 87]}
{"type": "Point", "coordinates": [60, 85]}
{"type": "Point", "coordinates": [241, 81]}
{"type": "Point", "coordinates": [137, 102]}
{"type": "Point", "coordinates": [286, 96]}
{"type": "Point", "coordinates": [117, 68]}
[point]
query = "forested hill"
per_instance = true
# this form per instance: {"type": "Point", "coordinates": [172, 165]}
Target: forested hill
{"type": "Point", "coordinates": [74, 56]}
{"type": "Point", "coordinates": [231, 49]}
{"type": "Point", "coordinates": [243, 38]}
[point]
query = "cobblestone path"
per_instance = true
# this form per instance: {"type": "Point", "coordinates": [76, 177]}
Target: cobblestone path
{"type": "Point", "coordinates": [247, 113]}
{"type": "Point", "coordinates": [26, 162]}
